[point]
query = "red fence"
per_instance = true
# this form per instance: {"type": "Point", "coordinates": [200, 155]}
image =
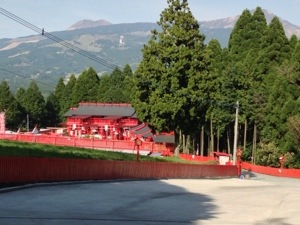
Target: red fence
{"type": "Point", "coordinates": [32, 169]}
{"type": "Point", "coordinates": [196, 158]}
{"type": "Point", "coordinates": [294, 173]}
{"type": "Point", "coordinates": [84, 142]}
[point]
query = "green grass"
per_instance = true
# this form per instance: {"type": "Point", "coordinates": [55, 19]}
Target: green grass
{"type": "Point", "coordinates": [23, 149]}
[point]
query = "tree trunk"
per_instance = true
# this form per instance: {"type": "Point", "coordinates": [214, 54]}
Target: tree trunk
{"type": "Point", "coordinates": [218, 139]}
{"type": "Point", "coordinates": [177, 141]}
{"type": "Point", "coordinates": [211, 136]}
{"type": "Point", "coordinates": [184, 144]}
{"type": "Point", "coordinates": [245, 134]}
{"type": "Point", "coordinates": [254, 144]}
{"type": "Point", "coordinates": [188, 144]}
{"type": "Point", "coordinates": [202, 141]}
{"type": "Point", "coordinates": [228, 143]}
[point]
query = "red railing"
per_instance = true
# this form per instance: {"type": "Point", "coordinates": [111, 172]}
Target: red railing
{"type": "Point", "coordinates": [32, 170]}
{"type": "Point", "coordinates": [279, 172]}
{"type": "Point", "coordinates": [85, 142]}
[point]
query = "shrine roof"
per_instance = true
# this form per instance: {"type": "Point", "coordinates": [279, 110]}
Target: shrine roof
{"type": "Point", "coordinates": [102, 109]}
{"type": "Point", "coordinates": [164, 138]}
{"type": "Point", "coordinates": [138, 127]}
{"type": "Point", "coordinates": [112, 117]}
{"type": "Point", "coordinates": [80, 117]}
{"type": "Point", "coordinates": [143, 130]}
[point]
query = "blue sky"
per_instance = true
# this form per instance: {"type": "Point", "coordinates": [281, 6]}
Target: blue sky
{"type": "Point", "coordinates": [53, 15]}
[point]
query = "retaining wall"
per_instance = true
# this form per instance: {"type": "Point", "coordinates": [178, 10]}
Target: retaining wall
{"type": "Point", "coordinates": [32, 170]}
{"type": "Point", "coordinates": [293, 173]}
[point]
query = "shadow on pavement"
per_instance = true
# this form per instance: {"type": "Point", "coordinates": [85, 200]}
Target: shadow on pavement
{"type": "Point", "coordinates": [118, 202]}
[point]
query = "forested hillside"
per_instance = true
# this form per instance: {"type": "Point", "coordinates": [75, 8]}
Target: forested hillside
{"type": "Point", "coordinates": [185, 85]}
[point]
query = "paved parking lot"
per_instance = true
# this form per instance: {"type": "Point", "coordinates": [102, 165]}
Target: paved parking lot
{"type": "Point", "coordinates": [258, 200]}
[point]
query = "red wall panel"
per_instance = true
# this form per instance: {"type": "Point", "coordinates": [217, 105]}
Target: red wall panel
{"type": "Point", "coordinates": [294, 173]}
{"type": "Point", "coordinates": [31, 169]}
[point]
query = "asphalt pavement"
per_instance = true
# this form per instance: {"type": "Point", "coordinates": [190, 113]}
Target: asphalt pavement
{"type": "Point", "coordinates": [258, 200]}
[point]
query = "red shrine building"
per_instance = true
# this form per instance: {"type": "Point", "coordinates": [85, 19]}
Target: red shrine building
{"type": "Point", "coordinates": [111, 121]}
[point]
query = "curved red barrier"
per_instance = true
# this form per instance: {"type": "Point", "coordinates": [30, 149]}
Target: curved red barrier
{"type": "Point", "coordinates": [32, 169]}
{"type": "Point", "coordinates": [293, 173]}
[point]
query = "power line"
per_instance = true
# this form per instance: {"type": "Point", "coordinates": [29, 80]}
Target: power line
{"type": "Point", "coordinates": [25, 77]}
{"type": "Point", "coordinates": [58, 40]}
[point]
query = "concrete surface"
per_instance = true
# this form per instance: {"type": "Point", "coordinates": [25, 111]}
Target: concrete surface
{"type": "Point", "coordinates": [258, 200]}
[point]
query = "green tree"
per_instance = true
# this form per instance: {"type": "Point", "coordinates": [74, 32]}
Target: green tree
{"type": "Point", "coordinates": [112, 87]}
{"type": "Point", "coordinates": [59, 91]}
{"type": "Point", "coordinates": [51, 116]}
{"type": "Point", "coordinates": [34, 104]}
{"type": "Point", "coordinates": [115, 91]}
{"type": "Point", "coordinates": [104, 85]}
{"type": "Point", "coordinates": [67, 96]}
{"type": "Point", "coordinates": [5, 96]}
{"type": "Point", "coordinates": [127, 83]}
{"type": "Point", "coordinates": [275, 47]}
{"type": "Point", "coordinates": [171, 76]}
{"type": "Point", "coordinates": [218, 114]}
{"type": "Point", "coordinates": [240, 37]}
{"type": "Point", "coordinates": [9, 105]}
{"type": "Point", "coordinates": [86, 87]}
{"type": "Point", "coordinates": [20, 94]}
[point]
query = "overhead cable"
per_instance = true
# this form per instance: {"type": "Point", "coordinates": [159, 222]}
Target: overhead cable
{"type": "Point", "coordinates": [58, 40]}
{"type": "Point", "coordinates": [25, 77]}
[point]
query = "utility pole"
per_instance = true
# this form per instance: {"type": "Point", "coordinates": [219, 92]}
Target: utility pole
{"type": "Point", "coordinates": [27, 123]}
{"type": "Point", "coordinates": [235, 132]}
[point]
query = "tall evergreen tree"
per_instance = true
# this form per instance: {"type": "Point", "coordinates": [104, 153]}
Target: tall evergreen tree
{"type": "Point", "coordinates": [9, 105]}
{"type": "Point", "coordinates": [34, 103]}
{"type": "Point", "coordinates": [240, 37]}
{"type": "Point", "coordinates": [5, 96]}
{"type": "Point", "coordinates": [276, 47]}
{"type": "Point", "coordinates": [86, 87]}
{"type": "Point", "coordinates": [127, 83]}
{"type": "Point", "coordinates": [59, 90]}
{"type": "Point", "coordinates": [171, 75]}
{"type": "Point", "coordinates": [103, 90]}
{"type": "Point", "coordinates": [67, 95]}
{"type": "Point", "coordinates": [20, 94]}
{"type": "Point", "coordinates": [218, 113]}
{"type": "Point", "coordinates": [116, 87]}
{"type": "Point", "coordinates": [51, 116]}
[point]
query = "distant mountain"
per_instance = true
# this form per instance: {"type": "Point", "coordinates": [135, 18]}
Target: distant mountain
{"type": "Point", "coordinates": [229, 22]}
{"type": "Point", "coordinates": [88, 24]}
{"type": "Point", "coordinates": [44, 60]}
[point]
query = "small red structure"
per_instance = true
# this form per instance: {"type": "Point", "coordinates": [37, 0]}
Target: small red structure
{"type": "Point", "coordinates": [239, 161]}
{"type": "Point", "coordinates": [137, 143]}
{"type": "Point", "coordinates": [221, 157]}
{"type": "Point", "coordinates": [281, 160]}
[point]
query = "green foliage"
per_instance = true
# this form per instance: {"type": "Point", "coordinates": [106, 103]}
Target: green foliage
{"type": "Point", "coordinates": [34, 104]}
{"type": "Point", "coordinates": [294, 129]}
{"type": "Point", "coordinates": [67, 96]}
{"type": "Point", "coordinates": [86, 87]}
{"type": "Point", "coordinates": [268, 155]}
{"type": "Point", "coordinates": [59, 93]}
{"type": "Point", "coordinates": [116, 87]}
{"type": "Point", "coordinates": [128, 84]}
{"type": "Point", "coordinates": [171, 75]}
{"type": "Point", "coordinates": [51, 117]}
{"type": "Point", "coordinates": [9, 105]}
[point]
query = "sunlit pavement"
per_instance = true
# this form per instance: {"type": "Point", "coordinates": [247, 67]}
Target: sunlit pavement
{"type": "Point", "coordinates": [258, 200]}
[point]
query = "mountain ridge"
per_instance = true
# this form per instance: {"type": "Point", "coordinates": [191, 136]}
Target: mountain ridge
{"type": "Point", "coordinates": [41, 59]}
